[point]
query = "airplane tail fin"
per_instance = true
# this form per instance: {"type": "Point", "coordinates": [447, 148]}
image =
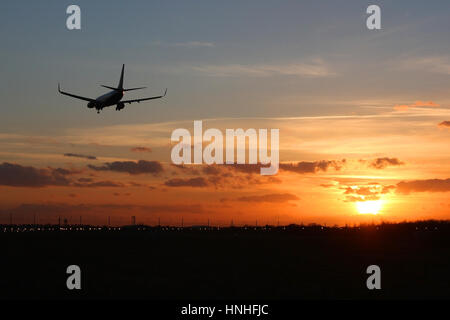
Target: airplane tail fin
{"type": "Point", "coordinates": [120, 86]}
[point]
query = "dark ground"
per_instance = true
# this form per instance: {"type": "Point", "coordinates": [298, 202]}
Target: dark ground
{"type": "Point", "coordinates": [228, 264]}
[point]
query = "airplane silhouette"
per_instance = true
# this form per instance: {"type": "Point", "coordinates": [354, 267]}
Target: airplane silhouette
{"type": "Point", "coordinates": [113, 97]}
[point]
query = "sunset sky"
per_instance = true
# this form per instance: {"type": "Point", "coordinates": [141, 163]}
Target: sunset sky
{"type": "Point", "coordinates": [364, 115]}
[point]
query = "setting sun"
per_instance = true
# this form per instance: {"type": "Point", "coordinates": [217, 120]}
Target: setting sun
{"type": "Point", "coordinates": [369, 207]}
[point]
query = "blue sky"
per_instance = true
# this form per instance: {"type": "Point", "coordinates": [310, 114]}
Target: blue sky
{"type": "Point", "coordinates": [219, 59]}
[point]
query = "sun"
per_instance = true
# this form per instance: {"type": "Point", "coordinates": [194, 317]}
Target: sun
{"type": "Point", "coordinates": [369, 207]}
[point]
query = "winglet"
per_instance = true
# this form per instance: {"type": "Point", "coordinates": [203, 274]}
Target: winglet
{"type": "Point", "coordinates": [59, 89]}
{"type": "Point", "coordinates": [165, 92]}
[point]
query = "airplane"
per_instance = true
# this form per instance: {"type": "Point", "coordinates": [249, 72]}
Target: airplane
{"type": "Point", "coordinates": [111, 98]}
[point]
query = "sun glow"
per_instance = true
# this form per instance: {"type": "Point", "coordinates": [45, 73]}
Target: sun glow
{"type": "Point", "coordinates": [369, 207]}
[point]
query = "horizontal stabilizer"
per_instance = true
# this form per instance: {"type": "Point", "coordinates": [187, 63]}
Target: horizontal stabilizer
{"type": "Point", "coordinates": [118, 89]}
{"type": "Point", "coordinates": [112, 88]}
{"type": "Point", "coordinates": [134, 89]}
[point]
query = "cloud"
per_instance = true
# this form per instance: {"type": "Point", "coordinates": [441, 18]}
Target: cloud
{"type": "Point", "coordinates": [187, 169]}
{"type": "Point", "coordinates": [245, 168]}
{"type": "Point", "coordinates": [417, 104]}
{"type": "Point", "coordinates": [80, 156]}
{"type": "Point", "coordinates": [49, 209]}
{"type": "Point", "coordinates": [131, 167]}
{"type": "Point", "coordinates": [361, 199]}
{"type": "Point", "coordinates": [366, 192]}
{"type": "Point", "coordinates": [194, 44]}
{"type": "Point", "coordinates": [312, 167]}
{"type": "Point", "coordinates": [435, 64]}
{"type": "Point", "coordinates": [16, 175]}
{"type": "Point", "coordinates": [362, 191]}
{"type": "Point", "coordinates": [141, 149]}
{"type": "Point", "coordinates": [445, 124]}
{"type": "Point", "coordinates": [99, 184]}
{"type": "Point", "coordinates": [429, 185]}
{"type": "Point", "coordinates": [381, 163]}
{"type": "Point", "coordinates": [388, 189]}
{"type": "Point", "coordinates": [272, 198]}
{"type": "Point", "coordinates": [192, 182]}
{"type": "Point", "coordinates": [233, 176]}
{"type": "Point", "coordinates": [314, 68]}
{"type": "Point", "coordinates": [186, 44]}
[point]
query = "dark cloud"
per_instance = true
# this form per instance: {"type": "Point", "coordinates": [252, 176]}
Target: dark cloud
{"type": "Point", "coordinates": [140, 149]}
{"type": "Point", "coordinates": [273, 198]}
{"type": "Point", "coordinates": [246, 167]}
{"type": "Point", "coordinates": [99, 184]}
{"type": "Point", "coordinates": [313, 166]}
{"type": "Point", "coordinates": [429, 185]}
{"type": "Point", "coordinates": [445, 124]}
{"type": "Point", "coordinates": [80, 156]}
{"type": "Point", "coordinates": [187, 169]}
{"type": "Point", "coordinates": [381, 163]}
{"type": "Point", "coordinates": [16, 175]}
{"type": "Point", "coordinates": [48, 209]}
{"type": "Point", "coordinates": [193, 182]}
{"type": "Point", "coordinates": [131, 167]}
{"type": "Point", "coordinates": [64, 172]}
{"type": "Point", "coordinates": [211, 170]}
{"type": "Point", "coordinates": [297, 167]}
{"type": "Point", "coordinates": [235, 176]}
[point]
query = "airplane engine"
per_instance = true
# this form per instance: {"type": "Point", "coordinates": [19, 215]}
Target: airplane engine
{"type": "Point", "coordinates": [91, 105]}
{"type": "Point", "coordinates": [120, 106]}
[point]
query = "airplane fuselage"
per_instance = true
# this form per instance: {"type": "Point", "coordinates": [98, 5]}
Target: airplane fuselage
{"type": "Point", "coordinates": [111, 98]}
{"type": "Point", "coordinates": [108, 99]}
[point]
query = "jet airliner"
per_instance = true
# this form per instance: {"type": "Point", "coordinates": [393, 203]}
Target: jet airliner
{"type": "Point", "coordinates": [111, 98]}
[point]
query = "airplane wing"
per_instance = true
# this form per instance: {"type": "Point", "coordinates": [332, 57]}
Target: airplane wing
{"type": "Point", "coordinates": [74, 96]}
{"type": "Point", "coordinates": [144, 99]}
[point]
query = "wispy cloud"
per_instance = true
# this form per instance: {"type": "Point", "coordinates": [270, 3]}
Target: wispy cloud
{"type": "Point", "coordinates": [313, 68]}
{"type": "Point", "coordinates": [435, 64]}
{"type": "Point", "coordinates": [186, 44]}
{"type": "Point", "coordinates": [141, 149]}
{"type": "Point", "coordinates": [83, 156]}
{"type": "Point", "coordinates": [273, 198]}
{"type": "Point", "coordinates": [429, 185]}
{"type": "Point", "coordinates": [131, 167]}
{"type": "Point", "coordinates": [417, 104]}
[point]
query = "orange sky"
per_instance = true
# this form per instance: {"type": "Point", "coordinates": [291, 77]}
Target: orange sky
{"type": "Point", "coordinates": [397, 158]}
